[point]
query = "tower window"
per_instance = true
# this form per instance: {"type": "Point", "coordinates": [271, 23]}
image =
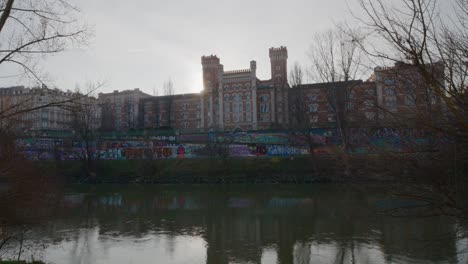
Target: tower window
{"type": "Point", "coordinates": [264, 103]}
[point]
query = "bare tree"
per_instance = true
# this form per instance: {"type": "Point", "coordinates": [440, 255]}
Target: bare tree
{"type": "Point", "coordinates": [418, 33]}
{"type": "Point", "coordinates": [335, 57]}
{"type": "Point", "coordinates": [342, 103]}
{"type": "Point", "coordinates": [86, 125]}
{"type": "Point", "coordinates": [296, 75]}
{"type": "Point", "coordinates": [30, 30]}
{"type": "Point", "coordinates": [412, 31]}
{"type": "Point", "coordinates": [299, 116]}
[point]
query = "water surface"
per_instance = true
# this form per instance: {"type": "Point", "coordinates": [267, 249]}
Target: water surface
{"type": "Point", "coordinates": [240, 224]}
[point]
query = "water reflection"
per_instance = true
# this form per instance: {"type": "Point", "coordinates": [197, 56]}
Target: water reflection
{"type": "Point", "coordinates": [216, 225]}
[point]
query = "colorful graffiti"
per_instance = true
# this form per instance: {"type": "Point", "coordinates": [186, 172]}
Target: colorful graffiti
{"type": "Point", "coordinates": [239, 144]}
{"type": "Point", "coordinates": [254, 137]}
{"type": "Point", "coordinates": [194, 138]}
{"type": "Point", "coordinates": [248, 150]}
{"type": "Point", "coordinates": [283, 150]}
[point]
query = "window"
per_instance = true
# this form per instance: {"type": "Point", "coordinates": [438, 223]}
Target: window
{"type": "Point", "coordinates": [432, 97]}
{"type": "Point", "coordinates": [235, 107]}
{"type": "Point", "coordinates": [314, 119]}
{"type": "Point", "coordinates": [369, 103]}
{"type": "Point", "coordinates": [313, 98]}
{"type": "Point", "coordinates": [184, 106]}
{"type": "Point", "coordinates": [390, 99]}
{"type": "Point", "coordinates": [265, 118]}
{"type": "Point", "coordinates": [247, 86]}
{"type": "Point", "coordinates": [313, 108]}
{"type": "Point", "coordinates": [410, 101]}
{"type": "Point", "coordinates": [390, 104]}
{"type": "Point", "coordinates": [264, 103]}
{"type": "Point", "coordinates": [389, 81]}
{"type": "Point", "coordinates": [370, 115]}
{"type": "Point", "coordinates": [240, 102]}
{"type": "Point", "coordinates": [390, 91]}
{"type": "Point", "coordinates": [226, 87]}
{"type": "Point", "coordinates": [352, 95]}
{"type": "Point", "coordinates": [369, 93]}
{"type": "Point", "coordinates": [226, 104]}
{"type": "Point", "coordinates": [331, 118]}
{"type": "Point", "coordinates": [248, 103]}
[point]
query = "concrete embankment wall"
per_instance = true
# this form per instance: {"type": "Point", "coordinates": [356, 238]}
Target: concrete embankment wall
{"type": "Point", "coordinates": [238, 144]}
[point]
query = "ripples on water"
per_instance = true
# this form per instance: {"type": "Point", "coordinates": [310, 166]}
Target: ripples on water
{"type": "Point", "coordinates": [264, 224]}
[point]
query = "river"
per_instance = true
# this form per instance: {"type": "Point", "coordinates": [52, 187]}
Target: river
{"type": "Point", "coordinates": [322, 223]}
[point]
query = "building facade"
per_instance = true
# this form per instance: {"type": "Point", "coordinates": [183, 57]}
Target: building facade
{"type": "Point", "coordinates": [41, 109]}
{"type": "Point", "coordinates": [237, 100]}
{"type": "Point", "coordinates": [120, 110]}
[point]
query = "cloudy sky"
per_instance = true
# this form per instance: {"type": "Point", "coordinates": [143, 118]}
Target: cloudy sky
{"type": "Point", "coordinates": [142, 43]}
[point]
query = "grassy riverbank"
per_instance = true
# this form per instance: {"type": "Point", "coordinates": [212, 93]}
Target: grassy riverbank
{"type": "Point", "coordinates": [326, 168]}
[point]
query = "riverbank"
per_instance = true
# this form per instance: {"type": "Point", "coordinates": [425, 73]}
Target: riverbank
{"type": "Point", "coordinates": [324, 168]}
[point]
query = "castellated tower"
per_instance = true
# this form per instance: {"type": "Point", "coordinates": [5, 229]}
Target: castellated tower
{"type": "Point", "coordinates": [279, 66]}
{"type": "Point", "coordinates": [253, 68]}
{"type": "Point", "coordinates": [211, 68]}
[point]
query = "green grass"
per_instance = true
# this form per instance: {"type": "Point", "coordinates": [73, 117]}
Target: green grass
{"type": "Point", "coordinates": [124, 171]}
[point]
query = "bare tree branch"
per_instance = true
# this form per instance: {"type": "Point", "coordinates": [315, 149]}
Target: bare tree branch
{"type": "Point", "coordinates": [5, 13]}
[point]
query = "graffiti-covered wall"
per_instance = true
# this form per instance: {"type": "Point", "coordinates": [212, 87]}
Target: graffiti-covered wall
{"type": "Point", "coordinates": [240, 144]}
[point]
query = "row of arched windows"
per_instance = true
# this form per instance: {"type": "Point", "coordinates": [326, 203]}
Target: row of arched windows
{"type": "Point", "coordinates": [238, 107]}
{"type": "Point", "coordinates": [237, 86]}
{"type": "Point", "coordinates": [238, 103]}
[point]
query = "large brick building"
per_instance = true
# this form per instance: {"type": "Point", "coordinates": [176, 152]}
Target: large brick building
{"type": "Point", "coordinates": [119, 110]}
{"type": "Point", "coordinates": [238, 100]}
{"type": "Point", "coordinates": [230, 100]}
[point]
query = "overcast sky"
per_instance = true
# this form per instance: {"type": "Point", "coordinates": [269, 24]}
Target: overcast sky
{"type": "Point", "coordinates": [142, 43]}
